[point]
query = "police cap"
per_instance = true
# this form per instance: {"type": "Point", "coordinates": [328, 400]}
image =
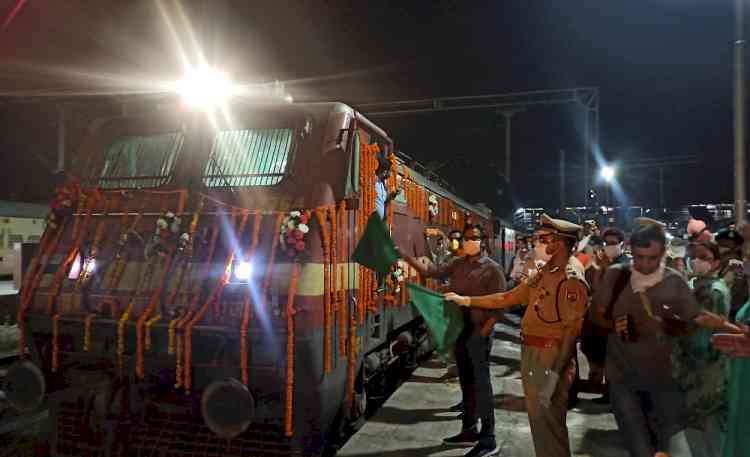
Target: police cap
{"type": "Point", "coordinates": [558, 227]}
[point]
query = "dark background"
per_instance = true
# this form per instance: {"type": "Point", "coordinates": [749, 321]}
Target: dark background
{"type": "Point", "coordinates": [664, 69]}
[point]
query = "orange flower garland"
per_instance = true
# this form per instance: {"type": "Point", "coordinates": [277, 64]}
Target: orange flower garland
{"type": "Point", "coordinates": [180, 343]}
{"type": "Point", "coordinates": [63, 269]}
{"type": "Point", "coordinates": [247, 306]}
{"type": "Point", "coordinates": [171, 335]}
{"type": "Point", "coordinates": [179, 351]}
{"type": "Point", "coordinates": [55, 342]}
{"type": "Point", "coordinates": [290, 312]}
{"type": "Point", "coordinates": [213, 296]}
{"type": "Point", "coordinates": [87, 332]}
{"type": "Point", "coordinates": [121, 334]}
{"type": "Point", "coordinates": [47, 246]}
{"type": "Point", "coordinates": [153, 303]}
{"type": "Point", "coordinates": [149, 324]}
{"type": "Point", "coordinates": [327, 336]}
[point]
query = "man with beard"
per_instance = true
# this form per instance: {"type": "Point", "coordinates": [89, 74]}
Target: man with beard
{"type": "Point", "coordinates": [651, 306]}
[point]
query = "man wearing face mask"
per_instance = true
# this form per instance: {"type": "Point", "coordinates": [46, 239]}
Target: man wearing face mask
{"type": "Point", "coordinates": [556, 300]}
{"type": "Point", "coordinates": [594, 343]}
{"type": "Point", "coordinates": [473, 273]}
{"type": "Point", "coordinates": [650, 305]}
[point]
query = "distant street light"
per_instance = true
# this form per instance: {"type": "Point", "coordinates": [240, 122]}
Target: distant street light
{"type": "Point", "coordinates": [608, 173]}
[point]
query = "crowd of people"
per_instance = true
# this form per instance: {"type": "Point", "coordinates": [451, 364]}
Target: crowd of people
{"type": "Point", "coordinates": [662, 321]}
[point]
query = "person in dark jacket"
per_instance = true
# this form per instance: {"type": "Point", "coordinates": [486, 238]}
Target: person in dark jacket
{"type": "Point", "coordinates": [472, 274]}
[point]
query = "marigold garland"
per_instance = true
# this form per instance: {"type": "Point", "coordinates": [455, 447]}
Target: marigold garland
{"type": "Point", "coordinates": [48, 245]}
{"type": "Point", "coordinates": [179, 372]}
{"type": "Point", "coordinates": [147, 330]}
{"type": "Point", "coordinates": [193, 303]}
{"type": "Point", "coordinates": [63, 269]}
{"type": "Point", "coordinates": [153, 303]}
{"type": "Point", "coordinates": [87, 332]}
{"type": "Point", "coordinates": [170, 335]}
{"type": "Point", "coordinates": [55, 342]}
{"type": "Point", "coordinates": [290, 312]}
{"type": "Point", "coordinates": [327, 336]}
{"type": "Point", "coordinates": [247, 313]}
{"type": "Point", "coordinates": [121, 334]}
{"type": "Point", "coordinates": [214, 295]}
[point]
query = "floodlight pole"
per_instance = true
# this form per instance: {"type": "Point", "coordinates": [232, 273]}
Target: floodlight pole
{"type": "Point", "coordinates": [739, 115]}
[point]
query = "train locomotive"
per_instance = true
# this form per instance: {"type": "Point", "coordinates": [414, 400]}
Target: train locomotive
{"type": "Point", "coordinates": [193, 292]}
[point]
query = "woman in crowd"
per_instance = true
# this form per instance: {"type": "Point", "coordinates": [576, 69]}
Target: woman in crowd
{"type": "Point", "coordinates": [699, 368]}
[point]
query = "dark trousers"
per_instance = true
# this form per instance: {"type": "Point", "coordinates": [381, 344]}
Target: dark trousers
{"type": "Point", "coordinates": [640, 413]}
{"type": "Point", "coordinates": [473, 364]}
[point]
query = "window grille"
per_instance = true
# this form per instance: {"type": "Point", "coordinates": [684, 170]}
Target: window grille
{"type": "Point", "coordinates": [140, 161]}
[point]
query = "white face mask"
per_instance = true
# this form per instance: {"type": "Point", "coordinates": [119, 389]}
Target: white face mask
{"type": "Point", "coordinates": [613, 252]}
{"type": "Point", "coordinates": [540, 252]}
{"type": "Point", "coordinates": [472, 247]}
{"type": "Point", "coordinates": [641, 282]}
{"type": "Point", "coordinates": [701, 267]}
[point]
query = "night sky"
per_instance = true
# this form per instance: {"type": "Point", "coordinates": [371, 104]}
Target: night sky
{"type": "Point", "coordinates": [664, 69]}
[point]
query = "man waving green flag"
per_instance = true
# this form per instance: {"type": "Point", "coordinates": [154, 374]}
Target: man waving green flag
{"type": "Point", "coordinates": [444, 319]}
{"type": "Point", "coordinates": [375, 250]}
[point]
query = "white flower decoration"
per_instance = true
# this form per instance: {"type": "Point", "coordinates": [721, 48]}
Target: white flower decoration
{"type": "Point", "coordinates": [290, 225]}
{"type": "Point", "coordinates": [295, 214]}
{"type": "Point", "coordinates": [185, 237]}
{"type": "Point", "coordinates": [303, 228]}
{"type": "Point", "coordinates": [162, 223]}
{"type": "Point", "coordinates": [169, 215]}
{"type": "Point", "coordinates": [433, 199]}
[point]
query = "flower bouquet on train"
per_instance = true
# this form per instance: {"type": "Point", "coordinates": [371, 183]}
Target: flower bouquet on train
{"type": "Point", "coordinates": [164, 239]}
{"type": "Point", "coordinates": [292, 234]}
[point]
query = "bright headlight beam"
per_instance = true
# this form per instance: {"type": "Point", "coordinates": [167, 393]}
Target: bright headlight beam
{"type": "Point", "coordinates": [205, 88]}
{"type": "Point", "coordinates": [243, 270]}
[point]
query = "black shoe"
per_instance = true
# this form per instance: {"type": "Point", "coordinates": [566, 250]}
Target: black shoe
{"type": "Point", "coordinates": [467, 436]}
{"type": "Point", "coordinates": [458, 407]}
{"type": "Point", "coordinates": [483, 450]}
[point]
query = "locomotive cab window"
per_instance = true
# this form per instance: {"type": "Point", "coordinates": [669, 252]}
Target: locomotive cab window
{"type": "Point", "coordinates": [249, 157]}
{"type": "Point", "coordinates": [140, 161]}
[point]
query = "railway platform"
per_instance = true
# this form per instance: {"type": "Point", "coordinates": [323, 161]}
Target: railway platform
{"type": "Point", "coordinates": [415, 419]}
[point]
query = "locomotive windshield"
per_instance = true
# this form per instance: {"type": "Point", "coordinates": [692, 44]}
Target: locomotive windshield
{"type": "Point", "coordinates": [140, 161]}
{"type": "Point", "coordinates": [248, 157]}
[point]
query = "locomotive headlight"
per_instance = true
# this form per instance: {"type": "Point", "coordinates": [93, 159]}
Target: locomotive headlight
{"type": "Point", "coordinates": [243, 270]}
{"type": "Point", "coordinates": [205, 88]}
{"type": "Point", "coordinates": [80, 263]}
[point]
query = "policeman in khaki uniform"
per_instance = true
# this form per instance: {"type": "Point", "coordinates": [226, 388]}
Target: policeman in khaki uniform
{"type": "Point", "coordinates": [557, 300]}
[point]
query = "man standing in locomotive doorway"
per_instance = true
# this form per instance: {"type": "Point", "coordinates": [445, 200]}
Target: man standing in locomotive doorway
{"type": "Point", "coordinates": [382, 197]}
{"type": "Point", "coordinates": [557, 299]}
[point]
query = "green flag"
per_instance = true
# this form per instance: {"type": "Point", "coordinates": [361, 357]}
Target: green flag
{"type": "Point", "coordinates": [375, 249]}
{"type": "Point", "coordinates": [444, 319]}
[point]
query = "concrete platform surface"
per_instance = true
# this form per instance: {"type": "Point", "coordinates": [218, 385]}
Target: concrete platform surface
{"type": "Point", "coordinates": [415, 419]}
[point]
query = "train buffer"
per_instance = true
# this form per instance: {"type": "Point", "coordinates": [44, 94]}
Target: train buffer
{"type": "Point", "coordinates": [413, 421]}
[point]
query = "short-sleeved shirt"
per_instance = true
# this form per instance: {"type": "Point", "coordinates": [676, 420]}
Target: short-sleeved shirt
{"type": "Point", "coordinates": [645, 363]}
{"type": "Point", "coordinates": [472, 277]}
{"type": "Point", "coordinates": [381, 195]}
{"type": "Point", "coordinates": [556, 301]}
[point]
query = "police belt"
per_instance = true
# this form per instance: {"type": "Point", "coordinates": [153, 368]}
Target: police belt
{"type": "Point", "coordinates": [542, 342]}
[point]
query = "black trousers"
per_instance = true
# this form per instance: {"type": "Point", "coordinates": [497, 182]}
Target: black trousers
{"type": "Point", "coordinates": [473, 364]}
